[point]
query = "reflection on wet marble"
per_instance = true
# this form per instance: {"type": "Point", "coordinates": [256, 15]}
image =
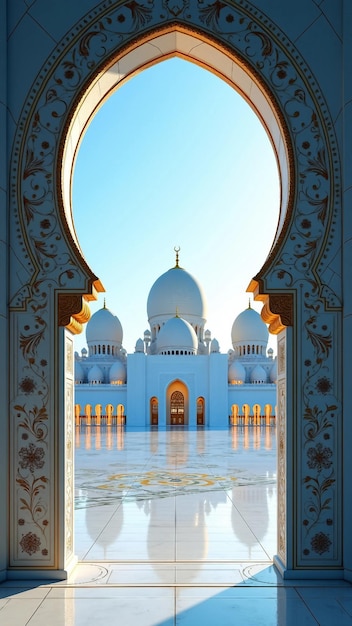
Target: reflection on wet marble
{"type": "Point", "coordinates": [176, 528]}
{"type": "Point", "coordinates": [176, 495]}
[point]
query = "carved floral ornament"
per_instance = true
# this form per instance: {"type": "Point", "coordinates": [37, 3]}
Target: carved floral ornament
{"type": "Point", "coordinates": [294, 272]}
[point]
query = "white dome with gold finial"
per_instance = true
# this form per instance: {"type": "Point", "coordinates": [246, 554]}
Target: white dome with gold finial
{"type": "Point", "coordinates": [104, 333]}
{"type": "Point", "coordinates": [176, 289]}
{"type": "Point", "coordinates": [249, 334]}
{"type": "Point", "coordinates": [177, 337]}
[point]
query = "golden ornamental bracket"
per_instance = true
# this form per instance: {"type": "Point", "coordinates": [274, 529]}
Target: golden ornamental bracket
{"type": "Point", "coordinates": [73, 312]}
{"type": "Point", "coordinates": [73, 308]}
{"type": "Point", "coordinates": [277, 309]}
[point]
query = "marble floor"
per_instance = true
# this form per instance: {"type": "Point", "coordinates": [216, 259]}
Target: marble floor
{"type": "Point", "coordinates": [175, 527]}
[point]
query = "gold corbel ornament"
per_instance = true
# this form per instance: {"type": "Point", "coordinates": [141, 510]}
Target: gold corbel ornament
{"type": "Point", "coordinates": [73, 308]}
{"type": "Point", "coordinates": [277, 309]}
{"type": "Point", "coordinates": [73, 312]}
{"type": "Point", "coordinates": [278, 312]}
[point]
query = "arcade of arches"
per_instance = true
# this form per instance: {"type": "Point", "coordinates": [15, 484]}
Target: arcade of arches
{"type": "Point", "coordinates": [177, 414]}
{"type": "Point", "coordinates": [274, 58]}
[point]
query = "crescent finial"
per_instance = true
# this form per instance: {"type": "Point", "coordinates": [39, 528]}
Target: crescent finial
{"type": "Point", "coordinates": [177, 250]}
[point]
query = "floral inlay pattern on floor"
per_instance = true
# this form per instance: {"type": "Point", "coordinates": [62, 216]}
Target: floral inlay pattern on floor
{"type": "Point", "coordinates": [158, 484]}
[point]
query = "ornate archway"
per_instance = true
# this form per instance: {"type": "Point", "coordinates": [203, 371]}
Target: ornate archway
{"type": "Point", "coordinates": [177, 404]}
{"type": "Point", "coordinates": [51, 284]}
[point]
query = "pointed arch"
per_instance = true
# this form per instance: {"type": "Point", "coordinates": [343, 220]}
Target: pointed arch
{"type": "Point", "coordinates": [200, 411]}
{"type": "Point", "coordinates": [177, 404]}
{"type": "Point", "coordinates": [154, 411]}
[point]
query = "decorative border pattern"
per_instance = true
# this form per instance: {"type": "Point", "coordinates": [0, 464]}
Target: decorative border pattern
{"type": "Point", "coordinates": [69, 447]}
{"type": "Point", "coordinates": [43, 248]}
{"type": "Point", "coordinates": [282, 452]}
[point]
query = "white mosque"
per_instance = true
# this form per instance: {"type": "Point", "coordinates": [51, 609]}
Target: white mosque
{"type": "Point", "coordinates": [177, 374]}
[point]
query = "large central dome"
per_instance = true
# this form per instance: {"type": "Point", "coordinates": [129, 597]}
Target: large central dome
{"type": "Point", "coordinates": [176, 292]}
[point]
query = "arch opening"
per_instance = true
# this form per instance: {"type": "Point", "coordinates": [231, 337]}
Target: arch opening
{"type": "Point", "coordinates": [206, 54]}
{"type": "Point", "coordinates": [177, 406]}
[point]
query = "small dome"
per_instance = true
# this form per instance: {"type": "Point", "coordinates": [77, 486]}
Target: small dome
{"type": "Point", "coordinates": [104, 328]}
{"type": "Point", "coordinates": [79, 373]}
{"type": "Point", "coordinates": [237, 373]}
{"type": "Point", "coordinates": [249, 327]}
{"type": "Point", "coordinates": [258, 375]}
{"type": "Point", "coordinates": [95, 375]}
{"type": "Point", "coordinates": [117, 374]}
{"type": "Point", "coordinates": [84, 352]}
{"type": "Point", "coordinates": [139, 345]}
{"type": "Point", "coordinates": [273, 373]}
{"type": "Point", "coordinates": [177, 334]}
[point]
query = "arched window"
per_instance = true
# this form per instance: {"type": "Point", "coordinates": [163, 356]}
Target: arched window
{"type": "Point", "coordinates": [200, 411]}
{"type": "Point", "coordinates": [154, 411]}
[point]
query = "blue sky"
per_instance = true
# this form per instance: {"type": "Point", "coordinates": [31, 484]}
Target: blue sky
{"type": "Point", "coordinates": [175, 157]}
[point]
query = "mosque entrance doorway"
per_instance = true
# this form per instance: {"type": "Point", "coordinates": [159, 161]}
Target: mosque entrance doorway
{"type": "Point", "coordinates": [177, 409]}
{"type": "Point", "coordinates": [177, 404]}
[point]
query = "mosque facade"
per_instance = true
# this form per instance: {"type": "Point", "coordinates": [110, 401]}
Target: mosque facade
{"type": "Point", "coordinates": [176, 375]}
